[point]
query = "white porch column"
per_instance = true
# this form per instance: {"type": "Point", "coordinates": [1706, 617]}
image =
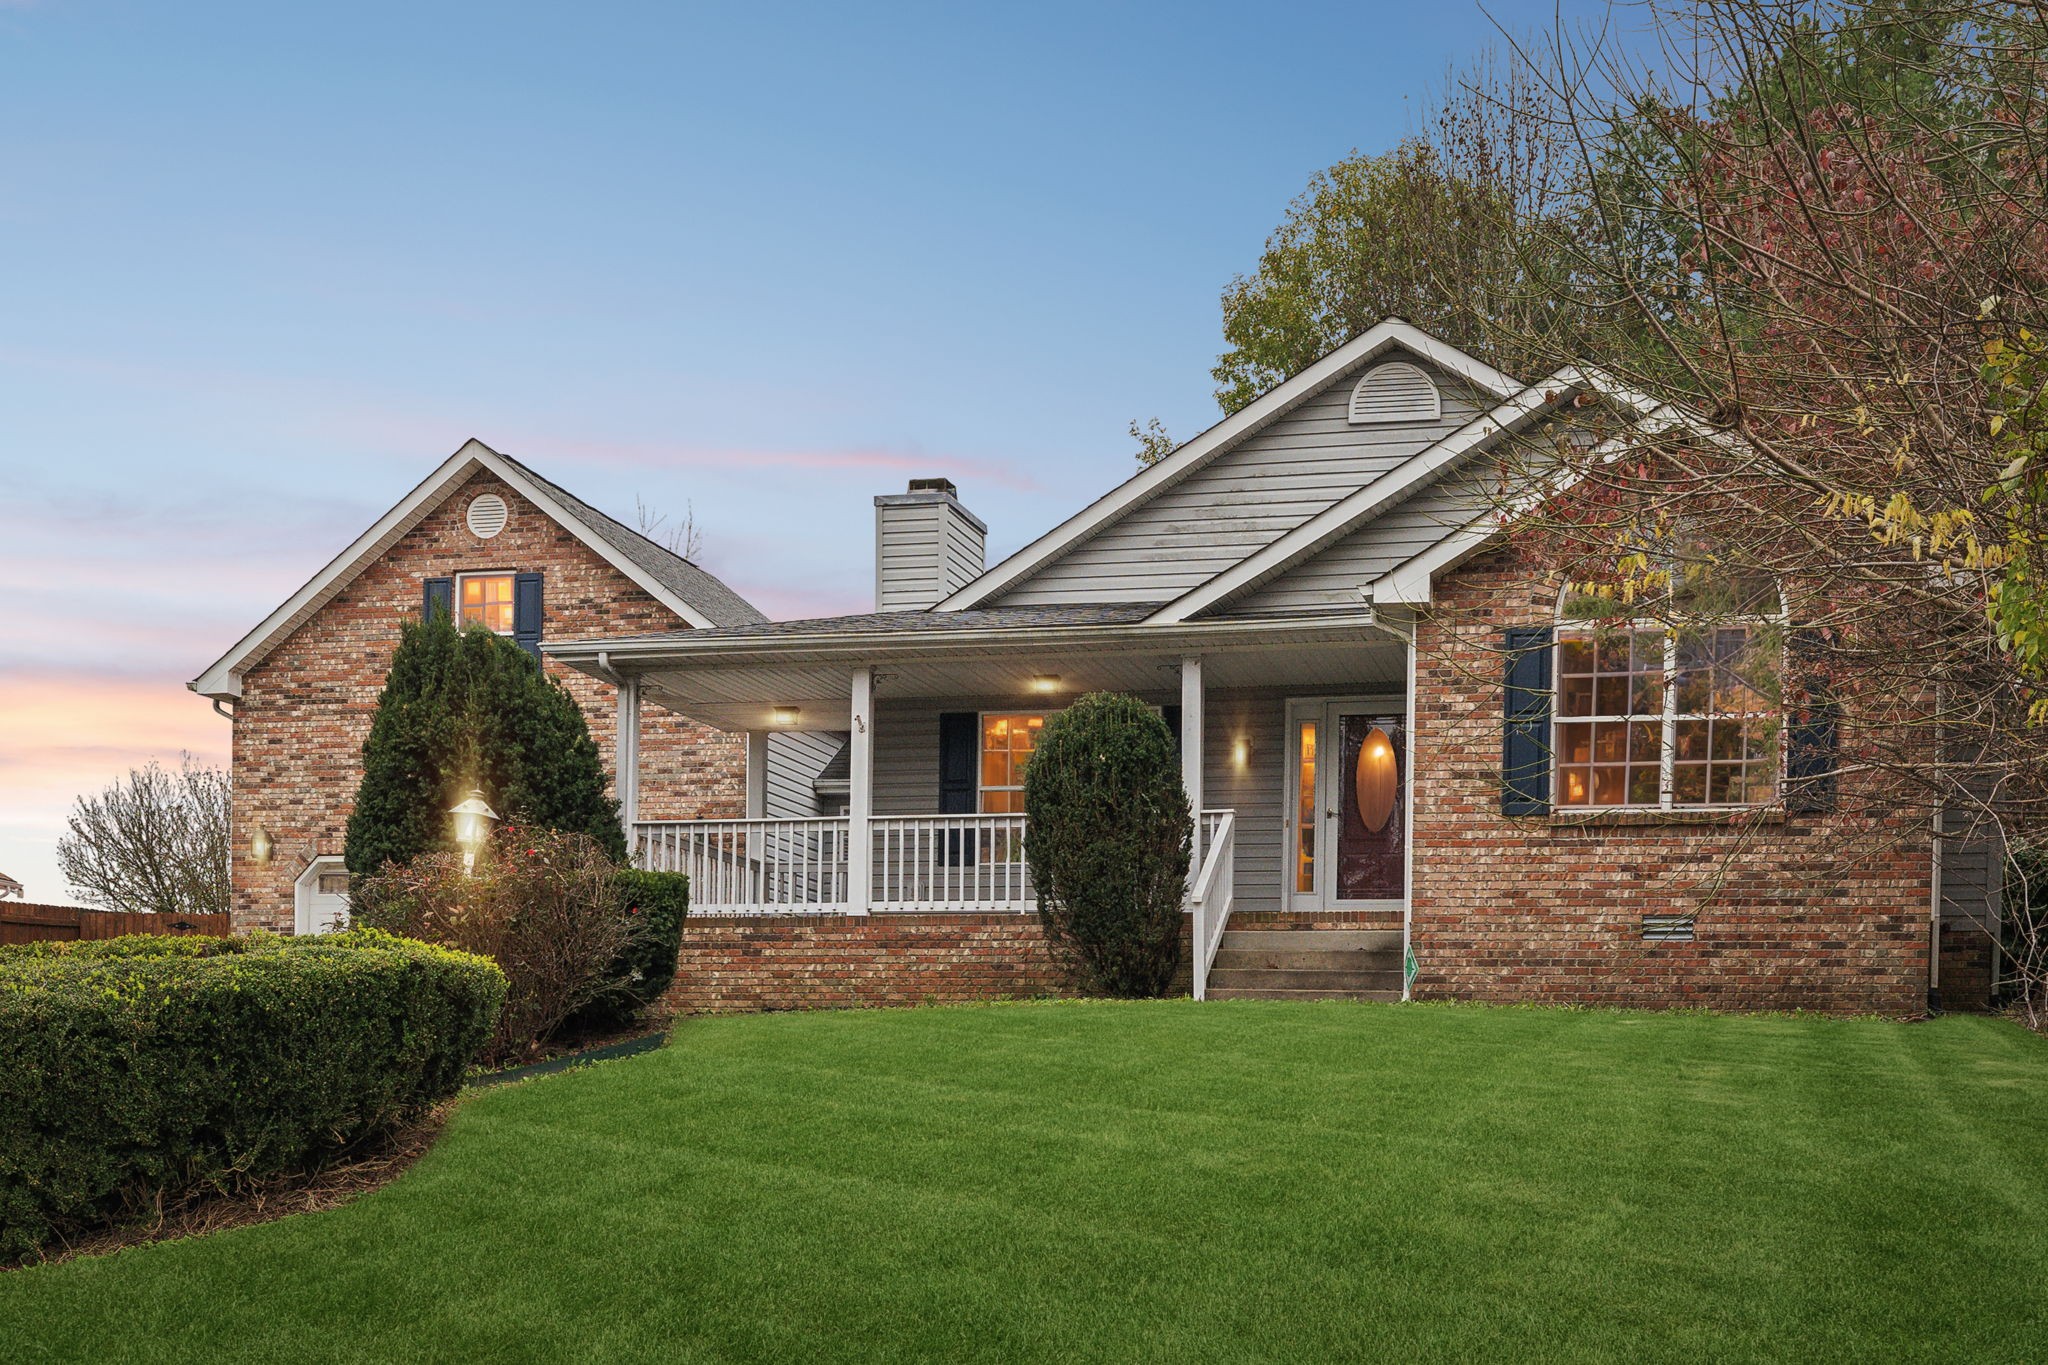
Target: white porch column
{"type": "Point", "coordinates": [626, 760]}
{"type": "Point", "coordinates": [1191, 750]}
{"type": "Point", "coordinates": [860, 792]}
{"type": "Point", "coordinates": [757, 774]}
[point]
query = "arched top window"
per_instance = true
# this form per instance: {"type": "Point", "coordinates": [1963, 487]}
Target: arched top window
{"type": "Point", "coordinates": [1395, 392]}
{"type": "Point", "coordinates": [1674, 699]}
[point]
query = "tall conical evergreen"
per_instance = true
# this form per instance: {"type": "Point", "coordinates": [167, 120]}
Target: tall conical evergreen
{"type": "Point", "coordinates": [471, 710]}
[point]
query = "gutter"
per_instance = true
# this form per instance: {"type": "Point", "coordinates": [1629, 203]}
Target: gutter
{"type": "Point", "coordinates": [650, 652]}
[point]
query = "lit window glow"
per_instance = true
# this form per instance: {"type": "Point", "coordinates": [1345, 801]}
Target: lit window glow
{"type": "Point", "coordinates": [486, 600]}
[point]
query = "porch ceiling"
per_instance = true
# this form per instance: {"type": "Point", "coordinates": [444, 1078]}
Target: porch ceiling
{"type": "Point", "coordinates": [739, 691]}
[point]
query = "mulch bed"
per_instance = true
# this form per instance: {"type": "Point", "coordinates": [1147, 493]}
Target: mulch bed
{"type": "Point", "coordinates": [204, 1211]}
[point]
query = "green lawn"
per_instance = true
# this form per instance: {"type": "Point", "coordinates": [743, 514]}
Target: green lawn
{"type": "Point", "coordinates": [1164, 1181]}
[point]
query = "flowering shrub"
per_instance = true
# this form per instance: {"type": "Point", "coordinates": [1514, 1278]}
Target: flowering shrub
{"type": "Point", "coordinates": [540, 902]}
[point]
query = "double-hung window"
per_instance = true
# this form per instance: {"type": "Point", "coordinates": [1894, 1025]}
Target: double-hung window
{"type": "Point", "coordinates": [1674, 713]}
{"type": "Point", "coordinates": [484, 599]}
{"type": "Point", "coordinates": [1007, 739]}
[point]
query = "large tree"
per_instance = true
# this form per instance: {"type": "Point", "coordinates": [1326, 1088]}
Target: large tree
{"type": "Point", "coordinates": [471, 710]}
{"type": "Point", "coordinates": [155, 842]}
{"type": "Point", "coordinates": [1855, 202]}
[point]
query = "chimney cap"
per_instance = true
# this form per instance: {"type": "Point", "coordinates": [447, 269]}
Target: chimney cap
{"type": "Point", "coordinates": [934, 486]}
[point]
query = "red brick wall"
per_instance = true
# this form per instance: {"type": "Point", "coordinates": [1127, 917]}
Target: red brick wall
{"type": "Point", "coordinates": [1825, 913]}
{"type": "Point", "coordinates": [839, 961]}
{"type": "Point", "coordinates": [306, 709]}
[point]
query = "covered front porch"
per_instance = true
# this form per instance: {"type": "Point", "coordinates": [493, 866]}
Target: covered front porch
{"type": "Point", "coordinates": [885, 757]}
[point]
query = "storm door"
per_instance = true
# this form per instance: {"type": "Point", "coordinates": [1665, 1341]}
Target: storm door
{"type": "Point", "coordinates": [1347, 805]}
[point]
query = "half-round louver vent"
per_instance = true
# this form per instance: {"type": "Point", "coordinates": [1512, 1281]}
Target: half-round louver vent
{"type": "Point", "coordinates": [486, 515]}
{"type": "Point", "coordinates": [1395, 392]}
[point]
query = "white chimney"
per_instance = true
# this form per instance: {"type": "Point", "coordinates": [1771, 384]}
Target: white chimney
{"type": "Point", "coordinates": [926, 546]}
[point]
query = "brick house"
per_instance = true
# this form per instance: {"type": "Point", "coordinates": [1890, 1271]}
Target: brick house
{"type": "Point", "coordinates": [495, 543]}
{"type": "Point", "coordinates": [1417, 774]}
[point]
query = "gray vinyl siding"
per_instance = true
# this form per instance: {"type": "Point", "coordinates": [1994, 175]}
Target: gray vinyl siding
{"type": "Point", "coordinates": [1332, 578]}
{"type": "Point", "coordinates": [1256, 792]}
{"type": "Point", "coordinates": [795, 758]}
{"type": "Point", "coordinates": [1241, 501]}
{"type": "Point", "coordinates": [1972, 879]}
{"type": "Point", "coordinates": [924, 550]}
{"type": "Point", "coordinates": [907, 771]}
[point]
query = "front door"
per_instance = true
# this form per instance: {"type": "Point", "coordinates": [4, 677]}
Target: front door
{"type": "Point", "coordinates": [1347, 795]}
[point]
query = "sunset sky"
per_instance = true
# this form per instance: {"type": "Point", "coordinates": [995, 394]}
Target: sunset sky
{"type": "Point", "coordinates": [263, 266]}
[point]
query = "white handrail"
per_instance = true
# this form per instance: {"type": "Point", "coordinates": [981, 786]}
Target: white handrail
{"type": "Point", "coordinates": [1212, 894]}
{"type": "Point", "coordinates": [751, 867]}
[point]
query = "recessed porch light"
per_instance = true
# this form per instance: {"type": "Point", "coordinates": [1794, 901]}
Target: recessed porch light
{"type": "Point", "coordinates": [787, 715]}
{"type": "Point", "coordinates": [1045, 682]}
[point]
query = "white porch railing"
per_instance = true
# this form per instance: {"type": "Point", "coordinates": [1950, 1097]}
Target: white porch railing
{"type": "Point", "coordinates": [965, 863]}
{"type": "Point", "coordinates": [918, 864]}
{"type": "Point", "coordinates": [1211, 894]}
{"type": "Point", "coordinates": [751, 867]}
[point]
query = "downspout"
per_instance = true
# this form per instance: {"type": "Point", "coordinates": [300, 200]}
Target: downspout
{"type": "Point", "coordinates": [1934, 919]}
{"type": "Point", "coordinates": [1407, 638]}
{"type": "Point", "coordinates": [227, 715]}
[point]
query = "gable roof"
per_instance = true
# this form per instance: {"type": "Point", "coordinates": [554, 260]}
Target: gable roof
{"type": "Point", "coordinates": [1354, 510]}
{"type": "Point", "coordinates": [1392, 334]}
{"type": "Point", "coordinates": [688, 591]}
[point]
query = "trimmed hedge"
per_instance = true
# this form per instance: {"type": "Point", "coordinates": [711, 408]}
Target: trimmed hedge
{"type": "Point", "coordinates": [136, 1070]}
{"type": "Point", "coordinates": [657, 902]}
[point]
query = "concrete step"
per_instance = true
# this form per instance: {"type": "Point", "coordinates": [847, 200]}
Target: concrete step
{"type": "Point", "coordinates": [1313, 940]}
{"type": "Point", "coordinates": [1343, 960]}
{"type": "Point", "coordinates": [1297, 980]}
{"type": "Point", "coordinates": [1272, 993]}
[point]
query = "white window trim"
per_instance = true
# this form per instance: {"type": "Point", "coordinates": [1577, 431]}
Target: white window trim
{"type": "Point", "coordinates": [1668, 740]}
{"type": "Point", "coordinates": [512, 574]}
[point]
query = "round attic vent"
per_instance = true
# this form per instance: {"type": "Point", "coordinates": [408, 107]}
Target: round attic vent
{"type": "Point", "coordinates": [486, 515]}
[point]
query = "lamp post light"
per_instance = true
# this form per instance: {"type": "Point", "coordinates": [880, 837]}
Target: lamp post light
{"type": "Point", "coordinates": [473, 820]}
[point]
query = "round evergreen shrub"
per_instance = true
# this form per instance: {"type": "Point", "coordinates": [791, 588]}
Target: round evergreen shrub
{"type": "Point", "coordinates": [464, 710]}
{"type": "Point", "coordinates": [1108, 844]}
{"type": "Point", "coordinates": [135, 1071]}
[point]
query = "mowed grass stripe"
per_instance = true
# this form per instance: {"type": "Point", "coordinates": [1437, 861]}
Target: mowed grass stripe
{"type": "Point", "coordinates": [1230, 1181]}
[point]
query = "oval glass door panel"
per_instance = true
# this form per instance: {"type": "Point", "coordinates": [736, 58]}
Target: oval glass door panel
{"type": "Point", "coordinates": [1371, 851]}
{"type": "Point", "coordinates": [1374, 780]}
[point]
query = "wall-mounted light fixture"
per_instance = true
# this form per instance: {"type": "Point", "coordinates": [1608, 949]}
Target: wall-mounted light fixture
{"type": "Point", "coordinates": [1241, 752]}
{"type": "Point", "coordinates": [1045, 682]}
{"type": "Point", "coordinates": [259, 847]}
{"type": "Point", "coordinates": [788, 715]}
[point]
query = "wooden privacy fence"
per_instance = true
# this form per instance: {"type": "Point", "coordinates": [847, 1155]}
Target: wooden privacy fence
{"type": "Point", "coordinates": [21, 923]}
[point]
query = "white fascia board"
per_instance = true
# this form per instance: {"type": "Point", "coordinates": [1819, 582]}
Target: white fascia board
{"type": "Point", "coordinates": [223, 678]}
{"type": "Point", "coordinates": [1412, 582]}
{"type": "Point", "coordinates": [1354, 510]}
{"type": "Point", "coordinates": [1191, 456]}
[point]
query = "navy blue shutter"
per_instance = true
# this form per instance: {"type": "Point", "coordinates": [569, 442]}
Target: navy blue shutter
{"type": "Point", "coordinates": [959, 776]}
{"type": "Point", "coordinates": [439, 595]}
{"type": "Point", "coordinates": [1525, 727]}
{"type": "Point", "coordinates": [1812, 731]}
{"type": "Point", "coordinates": [527, 616]}
{"type": "Point", "coordinates": [1171, 715]}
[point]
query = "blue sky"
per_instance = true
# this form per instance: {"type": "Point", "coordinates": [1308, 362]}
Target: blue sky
{"type": "Point", "coordinates": [263, 266]}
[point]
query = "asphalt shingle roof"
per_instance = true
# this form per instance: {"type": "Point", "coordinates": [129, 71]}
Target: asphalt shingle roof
{"type": "Point", "coordinates": [720, 604]}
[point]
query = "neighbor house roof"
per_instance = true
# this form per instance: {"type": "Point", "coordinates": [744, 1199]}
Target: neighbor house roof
{"type": "Point", "coordinates": [685, 589]}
